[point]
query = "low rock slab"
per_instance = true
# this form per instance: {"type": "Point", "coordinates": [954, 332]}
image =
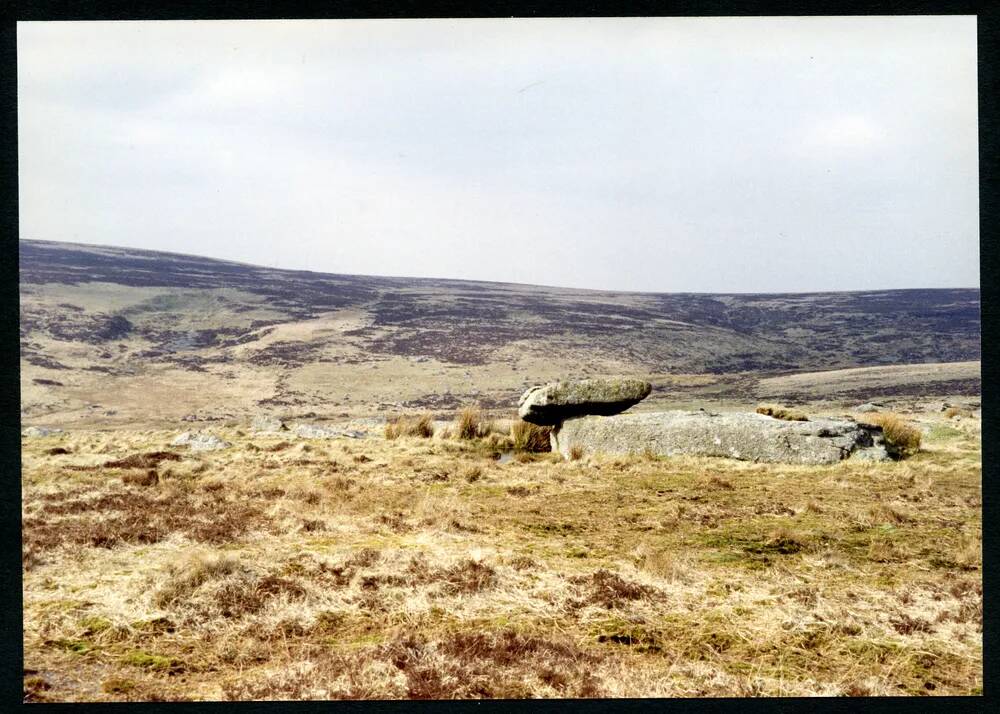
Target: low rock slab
{"type": "Point", "coordinates": [868, 407]}
{"type": "Point", "coordinates": [740, 435]}
{"type": "Point", "coordinates": [549, 404]}
{"type": "Point", "coordinates": [36, 431]}
{"type": "Point", "coordinates": [316, 431]}
{"type": "Point", "coordinates": [200, 441]}
{"type": "Point", "coordinates": [267, 424]}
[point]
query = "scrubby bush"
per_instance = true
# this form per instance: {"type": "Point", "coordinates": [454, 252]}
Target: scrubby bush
{"type": "Point", "coordinates": [782, 412]}
{"type": "Point", "coordinates": [901, 438]}
{"type": "Point", "coordinates": [530, 437]}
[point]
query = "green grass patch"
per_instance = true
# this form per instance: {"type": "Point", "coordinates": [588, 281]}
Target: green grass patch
{"type": "Point", "coordinates": [80, 647]}
{"type": "Point", "coordinates": [155, 662]}
{"type": "Point", "coordinates": [94, 625]}
{"type": "Point", "coordinates": [944, 433]}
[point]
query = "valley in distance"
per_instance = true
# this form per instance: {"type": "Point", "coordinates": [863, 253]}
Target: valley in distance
{"type": "Point", "coordinates": [246, 483]}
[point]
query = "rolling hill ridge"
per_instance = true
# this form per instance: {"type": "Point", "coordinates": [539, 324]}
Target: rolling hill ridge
{"type": "Point", "coordinates": [101, 326]}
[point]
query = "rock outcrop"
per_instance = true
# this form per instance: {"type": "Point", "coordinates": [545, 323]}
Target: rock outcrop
{"type": "Point", "coordinates": [317, 431]}
{"type": "Point", "coordinates": [200, 441]}
{"type": "Point", "coordinates": [744, 436]}
{"type": "Point", "coordinates": [868, 407]}
{"type": "Point", "coordinates": [267, 424]}
{"type": "Point", "coordinates": [552, 403]}
{"type": "Point", "coordinates": [40, 431]}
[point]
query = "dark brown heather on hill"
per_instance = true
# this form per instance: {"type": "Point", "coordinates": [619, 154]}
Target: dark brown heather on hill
{"type": "Point", "coordinates": [465, 322]}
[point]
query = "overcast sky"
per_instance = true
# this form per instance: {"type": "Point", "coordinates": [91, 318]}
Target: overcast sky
{"type": "Point", "coordinates": [694, 154]}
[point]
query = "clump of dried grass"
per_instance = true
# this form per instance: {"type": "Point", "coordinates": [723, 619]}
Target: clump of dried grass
{"type": "Point", "coordinates": [883, 513]}
{"type": "Point", "coordinates": [661, 562]}
{"type": "Point", "coordinates": [191, 572]}
{"type": "Point", "coordinates": [468, 423]}
{"type": "Point", "coordinates": [779, 411]}
{"type": "Point", "coordinates": [218, 585]}
{"type": "Point", "coordinates": [150, 478]}
{"type": "Point", "coordinates": [528, 437]}
{"type": "Point", "coordinates": [969, 553]}
{"type": "Point", "coordinates": [610, 590]}
{"type": "Point", "coordinates": [471, 424]}
{"type": "Point", "coordinates": [496, 443]}
{"type": "Point", "coordinates": [720, 483]}
{"type": "Point", "coordinates": [952, 412]}
{"type": "Point", "coordinates": [469, 576]}
{"type": "Point", "coordinates": [471, 474]}
{"type": "Point", "coordinates": [902, 439]}
{"type": "Point", "coordinates": [421, 426]}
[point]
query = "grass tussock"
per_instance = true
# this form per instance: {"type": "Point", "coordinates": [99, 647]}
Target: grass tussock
{"type": "Point", "coordinates": [420, 426]}
{"type": "Point", "coordinates": [902, 439]}
{"type": "Point", "coordinates": [779, 411]}
{"type": "Point", "coordinates": [150, 478]}
{"type": "Point", "coordinates": [191, 573]}
{"type": "Point", "coordinates": [609, 590]}
{"type": "Point", "coordinates": [469, 424]}
{"type": "Point", "coordinates": [530, 438]}
{"type": "Point", "coordinates": [220, 586]}
{"type": "Point", "coordinates": [952, 412]}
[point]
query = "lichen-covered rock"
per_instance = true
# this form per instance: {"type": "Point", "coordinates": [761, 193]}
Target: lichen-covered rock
{"type": "Point", "coordinates": [867, 407]}
{"type": "Point", "coordinates": [316, 431]}
{"type": "Point", "coordinates": [549, 404]}
{"type": "Point", "coordinates": [740, 435]}
{"type": "Point", "coordinates": [268, 424]}
{"type": "Point", "coordinates": [36, 431]}
{"type": "Point", "coordinates": [200, 441]}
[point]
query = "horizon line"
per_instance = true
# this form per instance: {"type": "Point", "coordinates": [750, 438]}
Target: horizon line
{"type": "Point", "coordinates": [491, 282]}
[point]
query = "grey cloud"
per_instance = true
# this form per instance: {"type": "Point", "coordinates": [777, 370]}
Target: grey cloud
{"type": "Point", "coordinates": [645, 154]}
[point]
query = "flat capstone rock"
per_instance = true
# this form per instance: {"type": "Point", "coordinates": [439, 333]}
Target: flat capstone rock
{"type": "Point", "coordinates": [550, 404]}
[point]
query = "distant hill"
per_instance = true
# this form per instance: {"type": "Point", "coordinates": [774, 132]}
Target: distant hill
{"type": "Point", "coordinates": [99, 323]}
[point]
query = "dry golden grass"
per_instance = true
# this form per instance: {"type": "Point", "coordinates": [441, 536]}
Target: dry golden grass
{"type": "Point", "coordinates": [782, 412]}
{"type": "Point", "coordinates": [952, 412]}
{"type": "Point", "coordinates": [414, 568]}
{"type": "Point", "coordinates": [421, 426]}
{"type": "Point", "coordinates": [901, 438]}
{"type": "Point", "coordinates": [530, 437]}
{"type": "Point", "coordinates": [469, 424]}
